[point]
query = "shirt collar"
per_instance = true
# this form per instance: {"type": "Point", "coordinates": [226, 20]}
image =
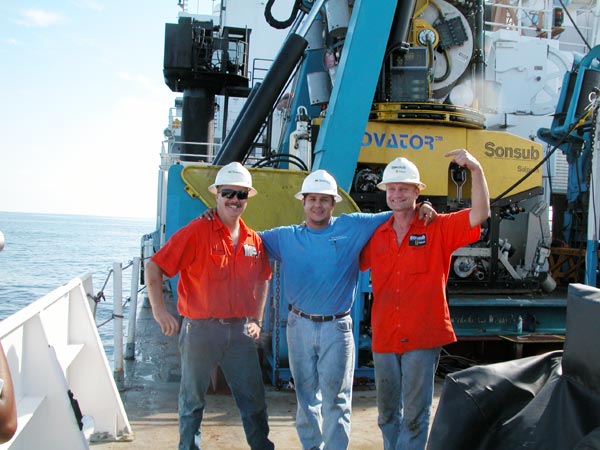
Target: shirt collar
{"type": "Point", "coordinates": [416, 223]}
{"type": "Point", "coordinates": [218, 225]}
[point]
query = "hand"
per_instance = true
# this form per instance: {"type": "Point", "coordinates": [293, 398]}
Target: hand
{"type": "Point", "coordinates": [464, 159]}
{"type": "Point", "coordinates": [210, 214]}
{"type": "Point", "coordinates": [253, 330]}
{"type": "Point", "coordinates": [427, 212]}
{"type": "Point", "coordinates": [169, 325]}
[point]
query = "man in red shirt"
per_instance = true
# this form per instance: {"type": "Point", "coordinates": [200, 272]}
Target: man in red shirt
{"type": "Point", "coordinates": [410, 318]}
{"type": "Point", "coordinates": [223, 281]}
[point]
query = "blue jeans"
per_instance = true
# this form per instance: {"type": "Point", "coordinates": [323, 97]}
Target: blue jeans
{"type": "Point", "coordinates": [203, 344]}
{"type": "Point", "coordinates": [321, 356]}
{"type": "Point", "coordinates": [404, 395]}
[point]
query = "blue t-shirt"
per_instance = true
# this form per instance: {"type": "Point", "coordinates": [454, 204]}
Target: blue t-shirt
{"type": "Point", "coordinates": [319, 268]}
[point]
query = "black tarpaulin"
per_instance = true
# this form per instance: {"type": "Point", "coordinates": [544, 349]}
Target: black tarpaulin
{"type": "Point", "coordinates": [546, 402]}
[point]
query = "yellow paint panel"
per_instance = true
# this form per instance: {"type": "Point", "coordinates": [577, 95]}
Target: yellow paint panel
{"type": "Point", "coordinates": [505, 157]}
{"type": "Point", "coordinates": [274, 205]}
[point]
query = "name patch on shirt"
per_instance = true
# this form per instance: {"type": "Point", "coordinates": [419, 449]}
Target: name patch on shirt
{"type": "Point", "coordinates": [250, 250]}
{"type": "Point", "coordinates": [417, 240]}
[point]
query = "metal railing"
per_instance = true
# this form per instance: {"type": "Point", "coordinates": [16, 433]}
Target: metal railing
{"type": "Point", "coordinates": [537, 19]}
{"type": "Point", "coordinates": [56, 361]}
{"type": "Point", "coordinates": [121, 352]}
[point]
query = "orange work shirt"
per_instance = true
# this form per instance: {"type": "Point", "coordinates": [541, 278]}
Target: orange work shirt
{"type": "Point", "coordinates": [216, 280]}
{"type": "Point", "coordinates": [410, 310]}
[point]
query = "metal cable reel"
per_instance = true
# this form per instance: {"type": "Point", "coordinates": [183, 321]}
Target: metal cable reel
{"type": "Point", "coordinates": [452, 48]}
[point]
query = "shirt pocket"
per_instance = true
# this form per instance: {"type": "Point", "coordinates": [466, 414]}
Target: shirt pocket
{"type": "Point", "coordinates": [419, 260]}
{"type": "Point", "coordinates": [218, 266]}
{"type": "Point", "coordinates": [247, 267]}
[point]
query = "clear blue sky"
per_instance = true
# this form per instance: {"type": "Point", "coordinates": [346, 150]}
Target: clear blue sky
{"type": "Point", "coordinates": [84, 104]}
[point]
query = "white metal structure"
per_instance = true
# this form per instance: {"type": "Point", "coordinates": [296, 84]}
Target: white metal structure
{"type": "Point", "coordinates": [53, 349]}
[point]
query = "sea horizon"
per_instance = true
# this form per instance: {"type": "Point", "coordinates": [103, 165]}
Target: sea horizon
{"type": "Point", "coordinates": [44, 251]}
{"type": "Point", "coordinates": [79, 215]}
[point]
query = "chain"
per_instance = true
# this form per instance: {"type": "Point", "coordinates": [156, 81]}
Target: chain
{"type": "Point", "coordinates": [595, 102]}
{"type": "Point", "coordinates": [592, 111]}
{"type": "Point", "coordinates": [277, 323]}
{"type": "Point", "coordinates": [593, 137]}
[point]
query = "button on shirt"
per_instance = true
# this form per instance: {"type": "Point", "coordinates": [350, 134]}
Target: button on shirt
{"type": "Point", "coordinates": [410, 310]}
{"type": "Point", "coordinates": [216, 279]}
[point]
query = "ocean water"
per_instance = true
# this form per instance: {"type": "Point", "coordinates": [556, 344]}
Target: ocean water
{"type": "Point", "coordinates": [44, 251]}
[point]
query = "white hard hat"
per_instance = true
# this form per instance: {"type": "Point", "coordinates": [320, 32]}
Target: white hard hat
{"type": "Point", "coordinates": [319, 182]}
{"type": "Point", "coordinates": [233, 174]}
{"type": "Point", "coordinates": [401, 170]}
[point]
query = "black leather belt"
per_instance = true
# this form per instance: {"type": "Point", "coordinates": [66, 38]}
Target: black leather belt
{"type": "Point", "coordinates": [315, 317]}
{"type": "Point", "coordinates": [229, 320]}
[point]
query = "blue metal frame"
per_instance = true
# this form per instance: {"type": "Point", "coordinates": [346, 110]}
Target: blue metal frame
{"type": "Point", "coordinates": [181, 210]}
{"type": "Point", "coordinates": [340, 138]}
{"type": "Point", "coordinates": [473, 316]}
{"type": "Point", "coordinates": [577, 147]}
{"type": "Point", "coordinates": [568, 101]}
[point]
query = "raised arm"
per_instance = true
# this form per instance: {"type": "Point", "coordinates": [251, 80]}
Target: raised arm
{"type": "Point", "coordinates": [480, 196]}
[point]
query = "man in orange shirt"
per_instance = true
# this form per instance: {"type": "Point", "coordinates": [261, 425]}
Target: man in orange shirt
{"type": "Point", "coordinates": [410, 318]}
{"type": "Point", "coordinates": [222, 289]}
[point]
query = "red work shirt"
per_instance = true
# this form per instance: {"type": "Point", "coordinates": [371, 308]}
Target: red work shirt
{"type": "Point", "coordinates": [410, 310]}
{"type": "Point", "coordinates": [215, 280]}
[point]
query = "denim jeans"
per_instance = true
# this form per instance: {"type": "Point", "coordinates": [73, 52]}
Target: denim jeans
{"type": "Point", "coordinates": [404, 385]}
{"type": "Point", "coordinates": [321, 356]}
{"type": "Point", "coordinates": [203, 344]}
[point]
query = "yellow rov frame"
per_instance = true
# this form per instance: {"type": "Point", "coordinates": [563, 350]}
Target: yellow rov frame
{"type": "Point", "coordinates": [274, 205]}
{"type": "Point", "coordinates": [505, 157]}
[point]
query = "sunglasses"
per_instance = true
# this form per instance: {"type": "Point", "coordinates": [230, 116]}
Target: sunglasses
{"type": "Point", "coordinates": [230, 193]}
